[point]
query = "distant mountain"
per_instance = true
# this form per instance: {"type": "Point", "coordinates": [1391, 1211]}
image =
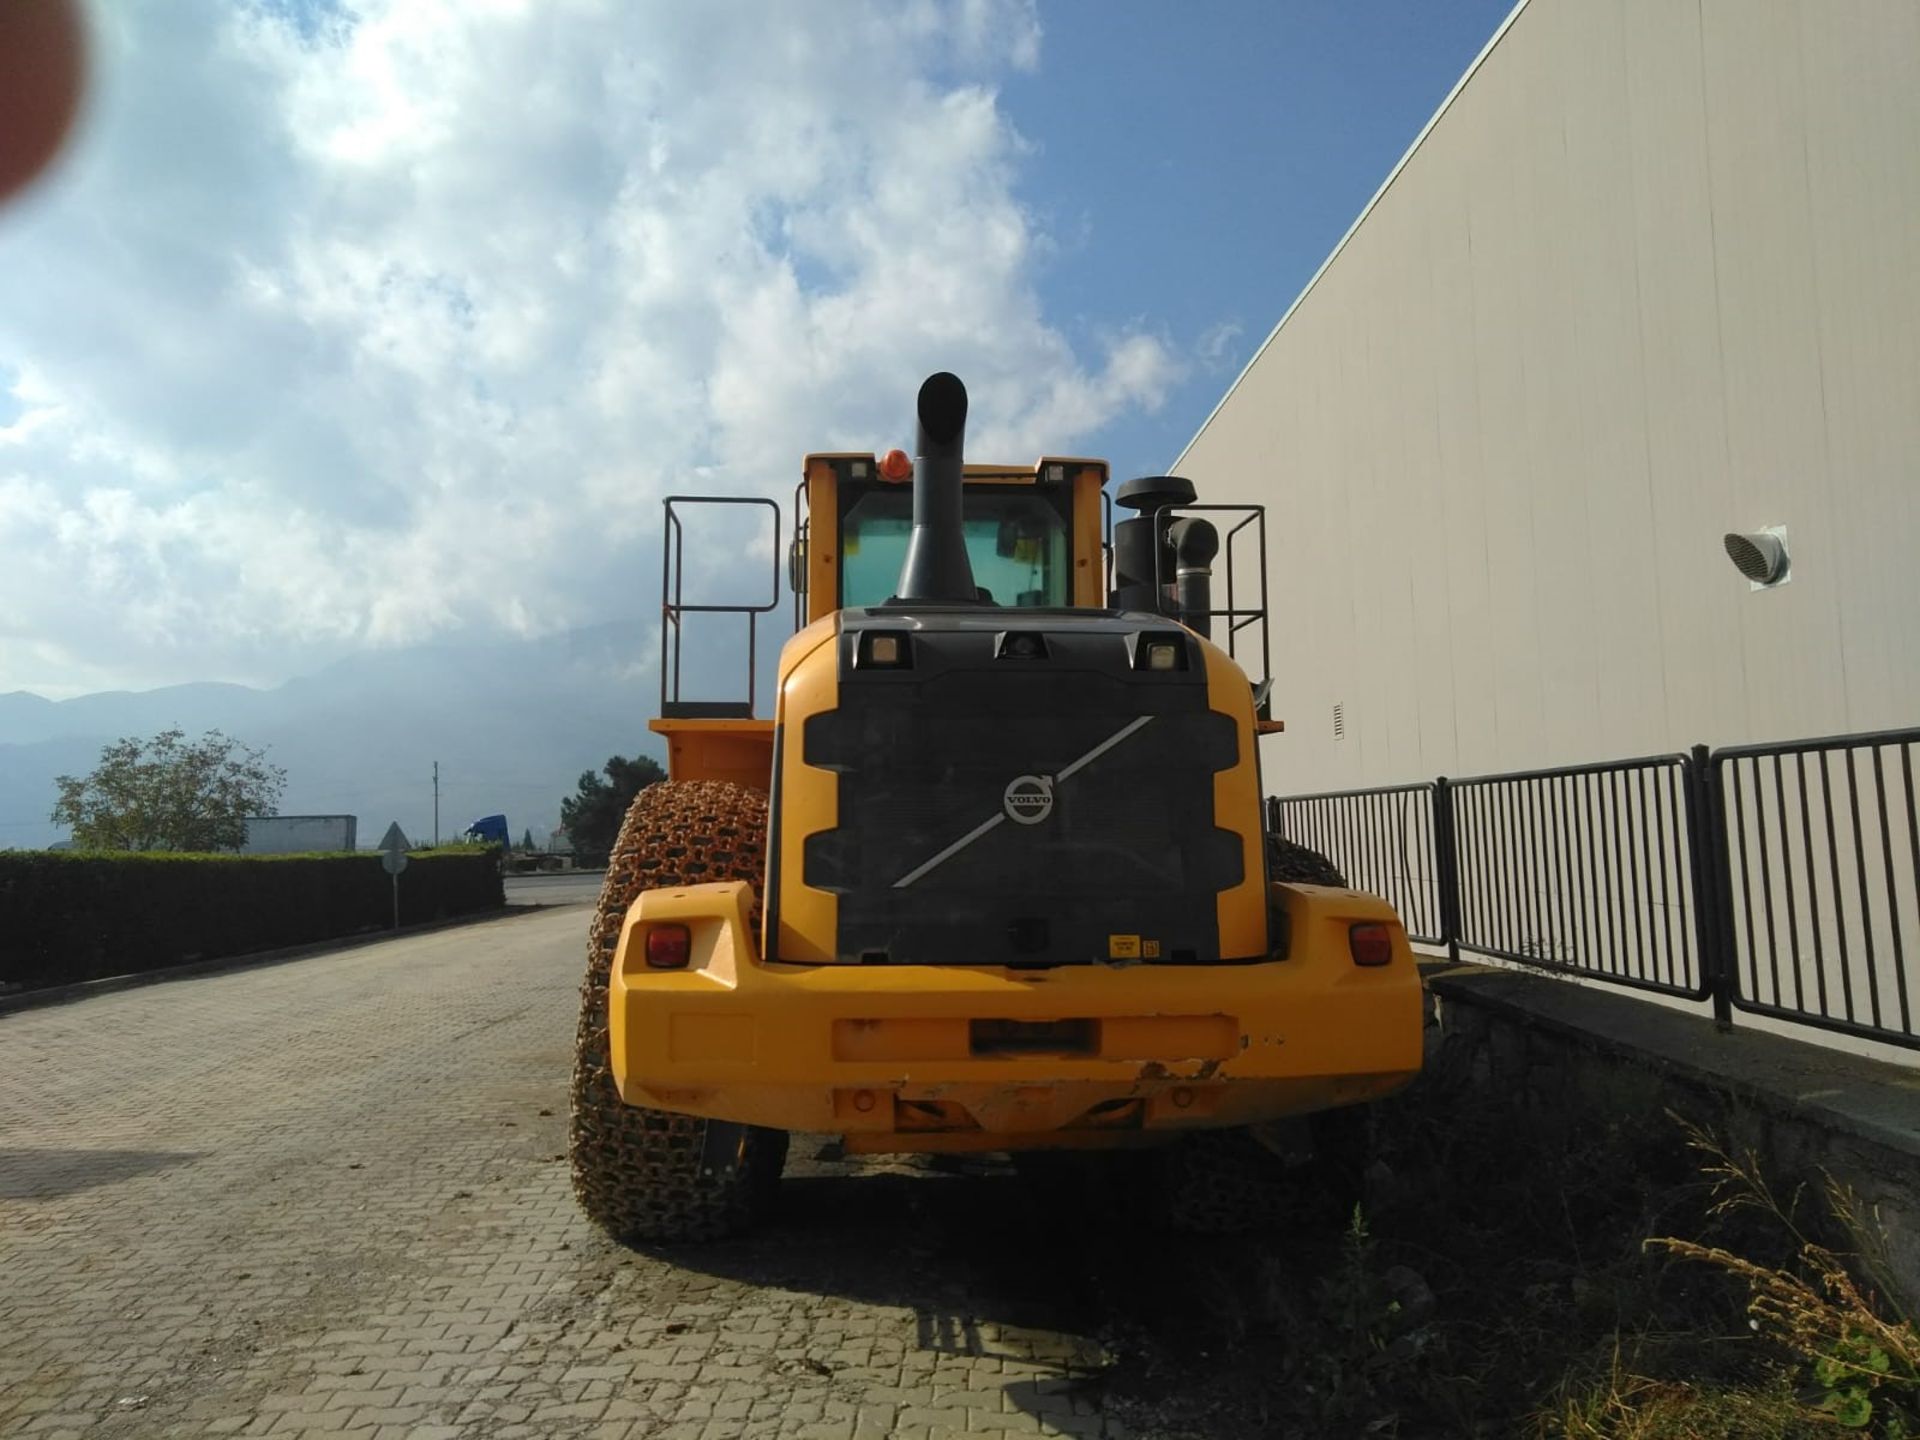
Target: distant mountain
{"type": "Point", "coordinates": [512, 723]}
{"type": "Point", "coordinates": [22, 713]}
{"type": "Point", "coordinates": [26, 718]}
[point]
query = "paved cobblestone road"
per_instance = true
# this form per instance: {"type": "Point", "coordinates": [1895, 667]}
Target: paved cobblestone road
{"type": "Point", "coordinates": [328, 1196]}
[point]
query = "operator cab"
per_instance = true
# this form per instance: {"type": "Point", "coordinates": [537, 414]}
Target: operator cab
{"type": "Point", "coordinates": [1034, 536]}
{"type": "Point", "coordinates": [1018, 540]}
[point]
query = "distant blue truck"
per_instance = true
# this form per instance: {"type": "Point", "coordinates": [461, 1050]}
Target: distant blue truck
{"type": "Point", "coordinates": [490, 830]}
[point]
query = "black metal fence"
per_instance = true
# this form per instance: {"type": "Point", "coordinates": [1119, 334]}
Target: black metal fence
{"type": "Point", "coordinates": [1584, 869]}
{"type": "Point", "coordinates": [1384, 842]}
{"type": "Point", "coordinates": [1779, 879]}
{"type": "Point", "coordinates": [1822, 859]}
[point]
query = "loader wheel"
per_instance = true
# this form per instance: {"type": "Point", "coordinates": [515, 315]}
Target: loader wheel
{"type": "Point", "coordinates": [639, 1173]}
{"type": "Point", "coordinates": [1220, 1182]}
{"type": "Point", "coordinates": [1293, 863]}
{"type": "Point", "coordinates": [1225, 1182]}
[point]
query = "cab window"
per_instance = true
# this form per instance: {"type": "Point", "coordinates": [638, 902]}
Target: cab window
{"type": "Point", "coordinates": [1016, 540]}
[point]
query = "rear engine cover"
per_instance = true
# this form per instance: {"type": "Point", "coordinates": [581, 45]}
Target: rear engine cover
{"type": "Point", "coordinates": [1044, 809]}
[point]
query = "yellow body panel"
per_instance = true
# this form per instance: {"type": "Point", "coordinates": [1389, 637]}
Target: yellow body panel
{"type": "Point", "coordinates": [823, 539]}
{"type": "Point", "coordinates": [1237, 806]}
{"type": "Point", "coordinates": [737, 750]}
{"type": "Point", "coordinates": [1089, 559]}
{"type": "Point", "coordinates": [809, 798]}
{"type": "Point", "coordinates": [904, 1057]}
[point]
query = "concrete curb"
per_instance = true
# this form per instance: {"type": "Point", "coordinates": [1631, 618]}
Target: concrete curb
{"type": "Point", "coordinates": [1816, 1115]}
{"type": "Point", "coordinates": [1855, 1095]}
{"type": "Point", "coordinates": [111, 984]}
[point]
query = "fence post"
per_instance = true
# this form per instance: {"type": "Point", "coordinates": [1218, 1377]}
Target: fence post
{"type": "Point", "coordinates": [1712, 884]}
{"type": "Point", "coordinates": [1446, 864]}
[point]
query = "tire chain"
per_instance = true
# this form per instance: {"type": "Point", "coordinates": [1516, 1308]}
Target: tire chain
{"type": "Point", "coordinates": [638, 1172]}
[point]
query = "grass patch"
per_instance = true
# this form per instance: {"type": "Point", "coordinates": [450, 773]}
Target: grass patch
{"type": "Point", "coordinates": [1514, 1271]}
{"type": "Point", "coordinates": [1623, 1278]}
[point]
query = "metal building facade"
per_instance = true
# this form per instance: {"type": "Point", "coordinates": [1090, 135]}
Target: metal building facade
{"type": "Point", "coordinates": [1651, 275]}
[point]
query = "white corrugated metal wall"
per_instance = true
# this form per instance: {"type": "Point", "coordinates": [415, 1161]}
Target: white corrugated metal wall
{"type": "Point", "coordinates": [1653, 274]}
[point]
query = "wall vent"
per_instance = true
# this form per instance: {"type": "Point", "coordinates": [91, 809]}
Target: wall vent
{"type": "Point", "coordinates": [1762, 557]}
{"type": "Point", "coordinates": [1339, 722]}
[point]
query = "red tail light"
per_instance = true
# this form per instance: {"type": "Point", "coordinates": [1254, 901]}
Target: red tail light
{"type": "Point", "coordinates": [1370, 944]}
{"type": "Point", "coordinates": [668, 947]}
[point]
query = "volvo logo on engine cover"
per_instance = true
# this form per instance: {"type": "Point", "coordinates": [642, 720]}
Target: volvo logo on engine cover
{"type": "Point", "coordinates": [1029, 799]}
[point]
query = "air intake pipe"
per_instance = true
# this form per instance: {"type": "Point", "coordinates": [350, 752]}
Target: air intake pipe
{"type": "Point", "coordinates": [1194, 543]}
{"type": "Point", "coordinates": [1162, 563]}
{"type": "Point", "coordinates": [937, 571]}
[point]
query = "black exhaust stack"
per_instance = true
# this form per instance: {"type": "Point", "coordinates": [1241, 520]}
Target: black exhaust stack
{"type": "Point", "coordinates": [937, 571]}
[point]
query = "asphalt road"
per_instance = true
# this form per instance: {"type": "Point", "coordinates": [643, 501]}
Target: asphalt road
{"type": "Point", "coordinates": [564, 888]}
{"type": "Point", "coordinates": [328, 1196]}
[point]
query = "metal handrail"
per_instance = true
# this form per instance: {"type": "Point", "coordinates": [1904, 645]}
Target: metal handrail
{"type": "Point", "coordinates": [674, 605]}
{"type": "Point", "coordinates": [1255, 515]}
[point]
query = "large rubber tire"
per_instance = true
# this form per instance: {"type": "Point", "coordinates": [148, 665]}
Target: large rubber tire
{"type": "Point", "coordinates": [1288, 862]}
{"type": "Point", "coordinates": [1220, 1182]}
{"type": "Point", "coordinates": [1225, 1182]}
{"type": "Point", "coordinates": [653, 1175]}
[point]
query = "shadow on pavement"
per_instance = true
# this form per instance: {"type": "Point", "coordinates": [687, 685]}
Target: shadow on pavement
{"type": "Point", "coordinates": [1064, 1273]}
{"type": "Point", "coordinates": [49, 1174]}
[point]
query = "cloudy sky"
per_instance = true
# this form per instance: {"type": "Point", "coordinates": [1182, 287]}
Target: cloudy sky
{"type": "Point", "coordinates": [366, 324]}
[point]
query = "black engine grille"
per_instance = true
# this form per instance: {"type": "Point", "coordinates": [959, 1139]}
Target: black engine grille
{"type": "Point", "coordinates": [1129, 847]}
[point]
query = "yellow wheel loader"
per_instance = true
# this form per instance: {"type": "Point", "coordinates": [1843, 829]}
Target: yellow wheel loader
{"type": "Point", "coordinates": [993, 877]}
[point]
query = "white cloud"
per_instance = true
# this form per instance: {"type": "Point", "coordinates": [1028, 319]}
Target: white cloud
{"type": "Point", "coordinates": [398, 320]}
{"type": "Point", "coordinates": [1217, 343]}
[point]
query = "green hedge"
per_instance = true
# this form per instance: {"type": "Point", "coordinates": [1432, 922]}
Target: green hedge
{"type": "Point", "coordinates": [72, 916]}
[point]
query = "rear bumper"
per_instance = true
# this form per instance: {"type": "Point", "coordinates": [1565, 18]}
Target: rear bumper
{"type": "Point", "coordinates": [923, 1057]}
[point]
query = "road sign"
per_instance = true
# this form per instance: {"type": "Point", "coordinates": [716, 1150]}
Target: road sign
{"type": "Point", "coordinates": [394, 843]}
{"type": "Point", "coordinates": [393, 859]}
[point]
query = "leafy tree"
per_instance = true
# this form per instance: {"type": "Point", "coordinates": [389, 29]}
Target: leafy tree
{"type": "Point", "coordinates": [167, 794]}
{"type": "Point", "coordinates": [592, 816]}
{"type": "Point", "coordinates": [526, 839]}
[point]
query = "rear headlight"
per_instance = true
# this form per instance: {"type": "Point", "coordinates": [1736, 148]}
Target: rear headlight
{"type": "Point", "coordinates": [1021, 645]}
{"type": "Point", "coordinates": [1370, 944]}
{"type": "Point", "coordinates": [668, 947]}
{"type": "Point", "coordinates": [1158, 651]}
{"type": "Point", "coordinates": [884, 650]}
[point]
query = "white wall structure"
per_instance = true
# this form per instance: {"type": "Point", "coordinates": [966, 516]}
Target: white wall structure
{"type": "Point", "coordinates": [300, 834]}
{"type": "Point", "coordinates": [1651, 275]}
